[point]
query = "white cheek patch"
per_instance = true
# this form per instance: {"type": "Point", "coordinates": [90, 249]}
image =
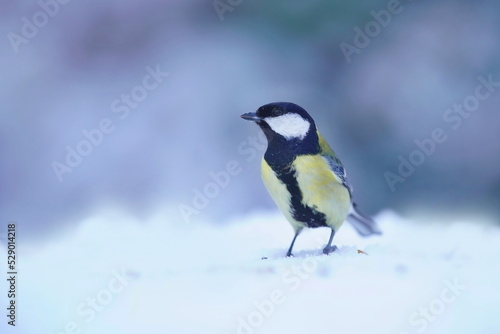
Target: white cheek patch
{"type": "Point", "coordinates": [289, 125]}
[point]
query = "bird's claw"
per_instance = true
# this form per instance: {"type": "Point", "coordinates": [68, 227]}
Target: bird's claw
{"type": "Point", "coordinates": [329, 249]}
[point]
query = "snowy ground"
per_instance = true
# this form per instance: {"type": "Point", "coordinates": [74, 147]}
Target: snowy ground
{"type": "Point", "coordinates": [114, 275]}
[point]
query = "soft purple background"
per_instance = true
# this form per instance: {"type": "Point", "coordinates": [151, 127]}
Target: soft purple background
{"type": "Point", "coordinates": [371, 110]}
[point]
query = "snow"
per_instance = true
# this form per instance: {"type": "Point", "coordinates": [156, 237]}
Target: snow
{"type": "Point", "coordinates": [115, 274]}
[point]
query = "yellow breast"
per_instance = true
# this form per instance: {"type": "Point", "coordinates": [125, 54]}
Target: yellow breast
{"type": "Point", "coordinates": [279, 194]}
{"type": "Point", "coordinates": [321, 190]}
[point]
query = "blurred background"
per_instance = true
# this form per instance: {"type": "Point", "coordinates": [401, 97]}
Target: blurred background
{"type": "Point", "coordinates": [375, 75]}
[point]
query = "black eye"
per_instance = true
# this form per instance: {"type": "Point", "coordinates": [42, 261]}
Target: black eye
{"type": "Point", "coordinates": [277, 112]}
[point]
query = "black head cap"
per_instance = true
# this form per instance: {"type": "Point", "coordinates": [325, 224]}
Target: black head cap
{"type": "Point", "coordinates": [277, 109]}
{"type": "Point", "coordinates": [287, 126]}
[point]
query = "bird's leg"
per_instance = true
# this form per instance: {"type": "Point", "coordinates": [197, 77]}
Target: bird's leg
{"type": "Point", "coordinates": [329, 248]}
{"type": "Point", "coordinates": [289, 253]}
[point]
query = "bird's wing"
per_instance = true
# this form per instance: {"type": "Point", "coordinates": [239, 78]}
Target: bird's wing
{"type": "Point", "coordinates": [335, 164]}
{"type": "Point", "coordinates": [361, 222]}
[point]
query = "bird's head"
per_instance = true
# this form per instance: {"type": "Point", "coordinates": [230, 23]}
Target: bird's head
{"type": "Point", "coordinates": [285, 119]}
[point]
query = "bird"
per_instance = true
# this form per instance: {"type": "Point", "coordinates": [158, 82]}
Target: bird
{"type": "Point", "coordinates": [304, 176]}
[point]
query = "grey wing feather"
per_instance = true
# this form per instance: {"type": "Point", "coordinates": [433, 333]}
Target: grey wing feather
{"type": "Point", "coordinates": [362, 223]}
{"type": "Point", "coordinates": [339, 171]}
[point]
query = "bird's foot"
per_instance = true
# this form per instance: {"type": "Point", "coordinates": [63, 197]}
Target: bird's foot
{"type": "Point", "coordinates": [289, 254]}
{"type": "Point", "coordinates": [329, 249]}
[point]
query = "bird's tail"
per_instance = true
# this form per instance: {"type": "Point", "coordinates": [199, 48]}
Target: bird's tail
{"type": "Point", "coordinates": [362, 223]}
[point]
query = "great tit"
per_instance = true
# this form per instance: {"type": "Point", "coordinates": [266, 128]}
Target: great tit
{"type": "Point", "coordinates": [303, 174]}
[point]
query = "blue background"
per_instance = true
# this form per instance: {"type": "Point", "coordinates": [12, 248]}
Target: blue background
{"type": "Point", "coordinates": [371, 104]}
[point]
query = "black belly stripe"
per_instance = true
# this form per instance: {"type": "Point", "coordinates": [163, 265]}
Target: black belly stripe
{"type": "Point", "coordinates": [300, 212]}
{"type": "Point", "coordinates": [279, 156]}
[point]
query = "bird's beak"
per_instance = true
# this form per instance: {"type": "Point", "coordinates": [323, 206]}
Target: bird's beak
{"type": "Point", "coordinates": [251, 116]}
